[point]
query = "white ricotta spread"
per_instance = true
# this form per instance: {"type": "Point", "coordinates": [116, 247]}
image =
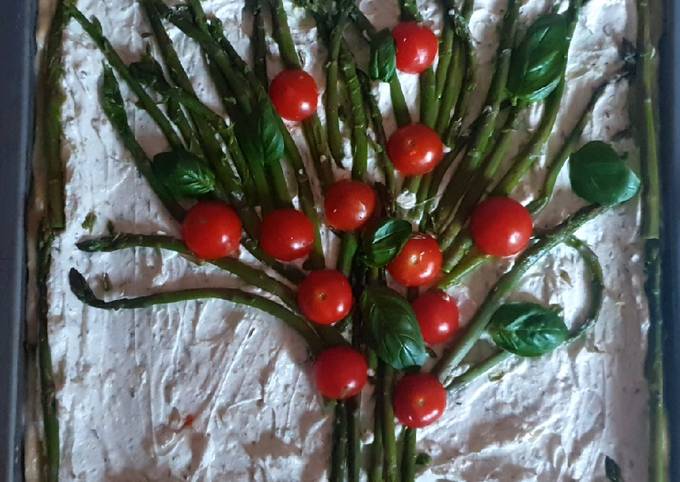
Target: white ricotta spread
{"type": "Point", "coordinates": [208, 391]}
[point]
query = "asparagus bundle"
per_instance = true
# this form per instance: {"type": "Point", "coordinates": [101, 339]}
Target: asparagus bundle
{"type": "Point", "coordinates": [241, 159]}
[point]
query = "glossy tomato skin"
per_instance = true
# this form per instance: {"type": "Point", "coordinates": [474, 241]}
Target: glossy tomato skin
{"type": "Point", "coordinates": [419, 262]}
{"type": "Point", "coordinates": [287, 234]}
{"type": "Point", "coordinates": [294, 94]}
{"type": "Point", "coordinates": [438, 316]}
{"type": "Point", "coordinates": [415, 149]}
{"type": "Point", "coordinates": [340, 372]}
{"type": "Point", "coordinates": [417, 47]}
{"type": "Point", "coordinates": [349, 205]}
{"type": "Point", "coordinates": [501, 226]}
{"type": "Point", "coordinates": [419, 400]}
{"type": "Point", "coordinates": [212, 230]}
{"type": "Point", "coordinates": [325, 297]}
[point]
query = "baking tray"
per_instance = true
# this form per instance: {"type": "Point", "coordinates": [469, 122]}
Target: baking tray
{"type": "Point", "coordinates": [17, 90]}
{"type": "Point", "coordinates": [17, 95]}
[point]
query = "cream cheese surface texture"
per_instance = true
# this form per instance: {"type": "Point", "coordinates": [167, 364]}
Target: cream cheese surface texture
{"type": "Point", "coordinates": [209, 391]}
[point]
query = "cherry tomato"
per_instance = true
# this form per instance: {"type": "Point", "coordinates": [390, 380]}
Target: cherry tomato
{"type": "Point", "coordinates": [325, 297]}
{"type": "Point", "coordinates": [501, 226]}
{"type": "Point", "coordinates": [415, 149]}
{"type": "Point", "coordinates": [437, 315]}
{"type": "Point", "coordinates": [212, 230]}
{"type": "Point", "coordinates": [340, 372]}
{"type": "Point", "coordinates": [294, 94]}
{"type": "Point", "coordinates": [349, 204]}
{"type": "Point", "coordinates": [418, 263]}
{"type": "Point", "coordinates": [287, 234]}
{"type": "Point", "coordinates": [417, 47]}
{"type": "Point", "coordinates": [419, 400]}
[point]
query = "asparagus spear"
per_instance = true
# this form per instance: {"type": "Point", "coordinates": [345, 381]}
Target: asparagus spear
{"type": "Point", "coordinates": [376, 120]}
{"type": "Point", "coordinates": [359, 121]}
{"type": "Point", "coordinates": [246, 273]}
{"type": "Point", "coordinates": [84, 293]}
{"type": "Point", "coordinates": [596, 290]}
{"type": "Point", "coordinates": [408, 459]}
{"type": "Point", "coordinates": [339, 450]}
{"type": "Point", "coordinates": [453, 356]}
{"type": "Point", "coordinates": [652, 210]}
{"type": "Point", "coordinates": [332, 88]}
{"type": "Point", "coordinates": [259, 43]}
{"type": "Point", "coordinates": [52, 128]}
{"type": "Point", "coordinates": [47, 387]}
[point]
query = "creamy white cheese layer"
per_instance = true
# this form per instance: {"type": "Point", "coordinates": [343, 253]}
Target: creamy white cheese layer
{"type": "Point", "coordinates": [130, 382]}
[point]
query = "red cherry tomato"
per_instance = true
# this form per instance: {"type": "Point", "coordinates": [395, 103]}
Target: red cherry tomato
{"type": "Point", "coordinates": [287, 234]}
{"type": "Point", "coordinates": [417, 47]}
{"type": "Point", "coordinates": [437, 315]}
{"type": "Point", "coordinates": [349, 204]}
{"type": "Point", "coordinates": [418, 263]}
{"type": "Point", "coordinates": [419, 400]}
{"type": "Point", "coordinates": [294, 94]}
{"type": "Point", "coordinates": [415, 149]}
{"type": "Point", "coordinates": [212, 230]}
{"type": "Point", "coordinates": [325, 297]}
{"type": "Point", "coordinates": [340, 372]}
{"type": "Point", "coordinates": [501, 226]}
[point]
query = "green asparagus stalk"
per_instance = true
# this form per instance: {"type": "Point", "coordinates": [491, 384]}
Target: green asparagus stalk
{"type": "Point", "coordinates": [248, 274]}
{"type": "Point", "coordinates": [408, 459]}
{"type": "Point", "coordinates": [391, 467]}
{"type": "Point", "coordinates": [84, 293]}
{"type": "Point", "coordinates": [359, 122]}
{"type": "Point", "coordinates": [453, 356]}
{"type": "Point", "coordinates": [339, 451]}
{"type": "Point", "coordinates": [652, 210]}
{"type": "Point", "coordinates": [332, 90]}
{"type": "Point", "coordinates": [259, 43]}
{"type": "Point", "coordinates": [376, 119]}
{"type": "Point", "coordinates": [571, 143]}
{"type": "Point", "coordinates": [47, 386]}
{"type": "Point", "coordinates": [596, 290]}
{"type": "Point", "coordinates": [51, 120]}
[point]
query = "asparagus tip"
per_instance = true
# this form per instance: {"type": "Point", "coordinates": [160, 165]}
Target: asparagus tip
{"type": "Point", "coordinates": [80, 288]}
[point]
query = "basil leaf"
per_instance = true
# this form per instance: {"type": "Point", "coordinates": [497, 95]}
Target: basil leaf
{"type": "Point", "coordinates": [260, 136]}
{"type": "Point", "coordinates": [527, 329]}
{"type": "Point", "coordinates": [385, 242]}
{"type": "Point", "coordinates": [391, 328]}
{"type": "Point", "coordinates": [383, 63]}
{"type": "Point", "coordinates": [538, 62]}
{"type": "Point", "coordinates": [184, 174]}
{"type": "Point", "coordinates": [599, 175]}
{"type": "Point", "coordinates": [612, 470]}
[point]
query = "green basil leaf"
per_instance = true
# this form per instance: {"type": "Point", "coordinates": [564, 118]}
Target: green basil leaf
{"type": "Point", "coordinates": [527, 329]}
{"type": "Point", "coordinates": [383, 63]}
{"type": "Point", "coordinates": [391, 328]}
{"type": "Point", "coordinates": [599, 175]}
{"type": "Point", "coordinates": [538, 62]}
{"type": "Point", "coordinates": [384, 243]}
{"type": "Point", "coordinates": [184, 174]}
{"type": "Point", "coordinates": [260, 136]}
{"type": "Point", "coordinates": [612, 470]}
